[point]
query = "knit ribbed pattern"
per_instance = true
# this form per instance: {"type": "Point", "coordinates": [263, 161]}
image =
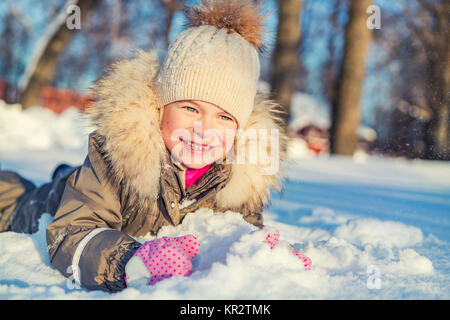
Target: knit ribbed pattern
{"type": "Point", "coordinates": [212, 65]}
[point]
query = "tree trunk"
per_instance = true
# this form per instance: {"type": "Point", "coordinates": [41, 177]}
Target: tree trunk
{"type": "Point", "coordinates": [345, 108]}
{"type": "Point", "coordinates": [43, 63]}
{"type": "Point", "coordinates": [171, 7]}
{"type": "Point", "coordinates": [437, 135]}
{"type": "Point", "coordinates": [285, 57]}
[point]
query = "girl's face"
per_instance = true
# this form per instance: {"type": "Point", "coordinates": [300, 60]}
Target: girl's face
{"type": "Point", "coordinates": [197, 133]}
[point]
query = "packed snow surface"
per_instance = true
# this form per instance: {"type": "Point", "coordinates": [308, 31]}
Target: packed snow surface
{"type": "Point", "coordinates": [374, 228]}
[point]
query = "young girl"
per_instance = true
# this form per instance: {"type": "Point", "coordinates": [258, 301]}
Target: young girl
{"type": "Point", "coordinates": [162, 147]}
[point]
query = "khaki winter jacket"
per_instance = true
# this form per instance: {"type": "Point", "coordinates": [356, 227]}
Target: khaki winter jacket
{"type": "Point", "coordinates": [22, 203]}
{"type": "Point", "coordinates": [129, 186]}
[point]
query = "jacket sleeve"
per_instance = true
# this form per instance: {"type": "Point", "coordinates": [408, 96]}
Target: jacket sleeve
{"type": "Point", "coordinates": [253, 217]}
{"type": "Point", "coordinates": [84, 240]}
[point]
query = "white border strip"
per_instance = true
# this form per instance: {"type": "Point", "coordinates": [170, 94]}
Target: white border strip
{"type": "Point", "coordinates": [77, 255]}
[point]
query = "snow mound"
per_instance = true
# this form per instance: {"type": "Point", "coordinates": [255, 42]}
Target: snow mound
{"type": "Point", "coordinates": [38, 128]}
{"type": "Point", "coordinates": [378, 232]}
{"type": "Point", "coordinates": [306, 110]}
{"type": "Point", "coordinates": [234, 263]}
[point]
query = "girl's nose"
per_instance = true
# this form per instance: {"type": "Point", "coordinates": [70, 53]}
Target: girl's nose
{"type": "Point", "coordinates": [205, 132]}
{"type": "Point", "coordinates": [203, 127]}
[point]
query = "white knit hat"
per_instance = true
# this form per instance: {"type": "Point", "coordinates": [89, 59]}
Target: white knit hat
{"type": "Point", "coordinates": [216, 59]}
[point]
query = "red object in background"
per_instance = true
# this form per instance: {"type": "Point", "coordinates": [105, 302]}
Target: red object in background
{"type": "Point", "coordinates": [52, 98]}
{"type": "Point", "coordinates": [59, 100]}
{"type": "Point", "coordinates": [315, 137]}
{"type": "Point", "coordinates": [317, 149]}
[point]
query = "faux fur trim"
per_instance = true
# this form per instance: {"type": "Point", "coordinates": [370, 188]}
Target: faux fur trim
{"type": "Point", "coordinates": [128, 114]}
{"type": "Point", "coordinates": [262, 169]}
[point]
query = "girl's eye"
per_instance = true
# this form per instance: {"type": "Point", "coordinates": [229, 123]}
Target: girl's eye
{"type": "Point", "coordinates": [225, 117]}
{"type": "Point", "coordinates": [191, 109]}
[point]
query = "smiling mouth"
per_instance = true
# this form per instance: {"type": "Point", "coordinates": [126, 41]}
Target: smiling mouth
{"type": "Point", "coordinates": [195, 146]}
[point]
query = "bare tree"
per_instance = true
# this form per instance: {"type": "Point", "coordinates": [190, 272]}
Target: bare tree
{"type": "Point", "coordinates": [113, 30]}
{"type": "Point", "coordinates": [435, 37]}
{"type": "Point", "coordinates": [16, 31]}
{"type": "Point", "coordinates": [285, 56]}
{"type": "Point", "coordinates": [45, 59]}
{"type": "Point", "coordinates": [171, 7]}
{"type": "Point", "coordinates": [345, 108]}
{"type": "Point", "coordinates": [331, 66]}
{"type": "Point", "coordinates": [421, 104]}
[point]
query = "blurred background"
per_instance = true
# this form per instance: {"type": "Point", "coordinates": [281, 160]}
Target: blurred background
{"type": "Point", "coordinates": [365, 86]}
{"type": "Point", "coordinates": [356, 77]}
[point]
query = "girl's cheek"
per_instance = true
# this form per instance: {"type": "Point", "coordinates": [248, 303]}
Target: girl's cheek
{"type": "Point", "coordinates": [228, 143]}
{"type": "Point", "coordinates": [167, 135]}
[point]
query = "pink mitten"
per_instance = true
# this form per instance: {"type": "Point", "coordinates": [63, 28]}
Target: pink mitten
{"type": "Point", "coordinates": [306, 261]}
{"type": "Point", "coordinates": [160, 259]}
{"type": "Point", "coordinates": [272, 239]}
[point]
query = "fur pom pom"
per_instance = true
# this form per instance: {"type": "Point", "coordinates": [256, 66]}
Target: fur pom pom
{"type": "Point", "coordinates": [240, 16]}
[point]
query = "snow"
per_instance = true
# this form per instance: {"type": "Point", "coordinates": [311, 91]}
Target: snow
{"type": "Point", "coordinates": [48, 139]}
{"type": "Point", "coordinates": [67, 131]}
{"type": "Point", "coordinates": [374, 228]}
{"type": "Point", "coordinates": [306, 110]}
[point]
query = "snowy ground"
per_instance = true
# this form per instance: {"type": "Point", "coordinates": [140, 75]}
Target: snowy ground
{"type": "Point", "coordinates": [374, 228]}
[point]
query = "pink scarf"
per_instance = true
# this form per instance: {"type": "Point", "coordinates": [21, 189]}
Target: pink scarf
{"type": "Point", "coordinates": [192, 175]}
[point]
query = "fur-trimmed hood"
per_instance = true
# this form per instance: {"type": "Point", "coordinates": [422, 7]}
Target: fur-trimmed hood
{"type": "Point", "coordinates": [128, 114]}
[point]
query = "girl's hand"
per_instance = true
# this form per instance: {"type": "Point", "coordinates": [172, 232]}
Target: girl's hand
{"type": "Point", "coordinates": [160, 259]}
{"type": "Point", "coordinates": [272, 237]}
